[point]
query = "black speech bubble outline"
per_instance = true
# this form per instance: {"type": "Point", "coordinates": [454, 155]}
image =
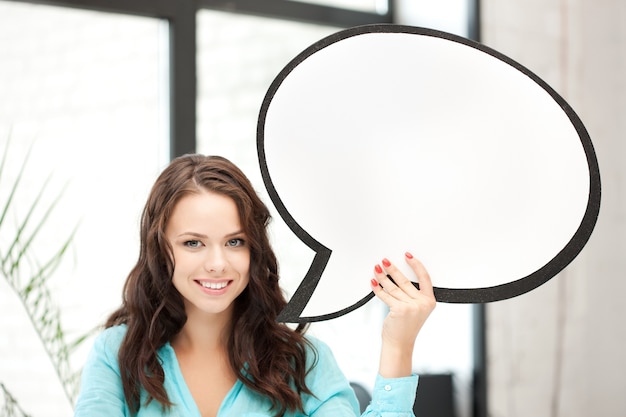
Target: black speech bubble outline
{"type": "Point", "coordinates": [292, 312]}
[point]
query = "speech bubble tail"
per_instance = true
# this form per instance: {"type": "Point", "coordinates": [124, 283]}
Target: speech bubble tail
{"type": "Point", "coordinates": [292, 312]}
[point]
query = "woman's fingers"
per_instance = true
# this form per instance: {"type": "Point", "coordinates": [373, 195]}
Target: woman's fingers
{"type": "Point", "coordinates": [423, 277]}
{"type": "Point", "coordinates": [395, 283]}
{"type": "Point", "coordinates": [400, 279]}
{"type": "Point", "coordinates": [392, 281]}
{"type": "Point", "coordinates": [399, 293]}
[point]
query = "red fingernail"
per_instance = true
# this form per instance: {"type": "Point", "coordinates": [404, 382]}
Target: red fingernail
{"type": "Point", "coordinates": [374, 283]}
{"type": "Point", "coordinates": [378, 269]}
{"type": "Point", "coordinates": [408, 255]}
{"type": "Point", "coordinates": [386, 263]}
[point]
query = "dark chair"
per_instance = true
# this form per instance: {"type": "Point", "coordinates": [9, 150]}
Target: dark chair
{"type": "Point", "coordinates": [362, 395]}
{"type": "Point", "coordinates": [434, 396]}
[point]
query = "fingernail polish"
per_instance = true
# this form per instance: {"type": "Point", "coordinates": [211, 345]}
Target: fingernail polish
{"type": "Point", "coordinates": [374, 282]}
{"type": "Point", "coordinates": [378, 269]}
{"type": "Point", "coordinates": [386, 263]}
{"type": "Point", "coordinates": [408, 255]}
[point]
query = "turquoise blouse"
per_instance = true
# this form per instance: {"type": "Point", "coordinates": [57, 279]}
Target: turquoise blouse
{"type": "Point", "coordinates": [101, 393]}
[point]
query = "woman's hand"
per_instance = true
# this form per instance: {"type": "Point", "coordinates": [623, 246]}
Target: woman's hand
{"type": "Point", "coordinates": [408, 310]}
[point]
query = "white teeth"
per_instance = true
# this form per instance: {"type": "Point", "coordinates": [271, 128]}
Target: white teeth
{"type": "Point", "coordinates": [214, 285]}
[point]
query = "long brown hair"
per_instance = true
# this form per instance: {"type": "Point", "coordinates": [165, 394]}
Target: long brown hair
{"type": "Point", "coordinates": [274, 355]}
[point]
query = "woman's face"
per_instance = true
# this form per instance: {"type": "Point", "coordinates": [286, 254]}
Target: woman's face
{"type": "Point", "coordinates": [211, 253]}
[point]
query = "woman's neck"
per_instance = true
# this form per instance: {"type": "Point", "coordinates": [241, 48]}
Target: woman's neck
{"type": "Point", "coordinates": [203, 332]}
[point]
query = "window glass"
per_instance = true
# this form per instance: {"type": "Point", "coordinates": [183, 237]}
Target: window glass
{"type": "Point", "coordinates": [85, 90]}
{"type": "Point", "coordinates": [446, 15]}
{"type": "Point", "coordinates": [371, 6]}
{"type": "Point", "coordinates": [238, 58]}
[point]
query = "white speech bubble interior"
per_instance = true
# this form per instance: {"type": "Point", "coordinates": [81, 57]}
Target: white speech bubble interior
{"type": "Point", "coordinates": [383, 142]}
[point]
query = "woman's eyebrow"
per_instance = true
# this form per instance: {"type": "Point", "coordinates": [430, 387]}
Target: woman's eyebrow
{"type": "Point", "coordinates": [239, 232]}
{"type": "Point", "coordinates": [200, 235]}
{"type": "Point", "coordinates": [194, 234]}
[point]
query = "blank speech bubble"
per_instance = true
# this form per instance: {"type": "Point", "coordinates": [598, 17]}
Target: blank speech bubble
{"type": "Point", "coordinates": [382, 139]}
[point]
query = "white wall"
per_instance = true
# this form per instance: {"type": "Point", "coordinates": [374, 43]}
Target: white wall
{"type": "Point", "coordinates": [559, 350]}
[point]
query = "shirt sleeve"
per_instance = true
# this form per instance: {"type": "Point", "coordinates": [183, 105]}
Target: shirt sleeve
{"type": "Point", "coordinates": [101, 393]}
{"type": "Point", "coordinates": [393, 397]}
{"type": "Point", "coordinates": [334, 397]}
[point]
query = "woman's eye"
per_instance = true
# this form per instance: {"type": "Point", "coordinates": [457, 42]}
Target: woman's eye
{"type": "Point", "coordinates": [192, 243]}
{"type": "Point", "coordinates": [235, 242]}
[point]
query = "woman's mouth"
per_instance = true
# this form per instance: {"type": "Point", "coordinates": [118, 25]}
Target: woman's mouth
{"type": "Point", "coordinates": [214, 285]}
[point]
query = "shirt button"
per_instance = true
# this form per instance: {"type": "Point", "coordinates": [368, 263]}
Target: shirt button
{"type": "Point", "coordinates": [387, 387]}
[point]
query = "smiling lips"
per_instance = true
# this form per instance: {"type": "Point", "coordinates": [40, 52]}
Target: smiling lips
{"type": "Point", "coordinates": [213, 285]}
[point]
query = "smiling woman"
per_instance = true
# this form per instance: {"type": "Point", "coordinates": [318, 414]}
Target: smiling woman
{"type": "Point", "coordinates": [197, 332]}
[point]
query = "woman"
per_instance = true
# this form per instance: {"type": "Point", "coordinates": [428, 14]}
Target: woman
{"type": "Point", "coordinates": [196, 334]}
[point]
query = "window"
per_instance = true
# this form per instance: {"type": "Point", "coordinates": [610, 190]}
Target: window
{"type": "Point", "coordinates": [87, 90]}
{"type": "Point", "coordinates": [372, 6]}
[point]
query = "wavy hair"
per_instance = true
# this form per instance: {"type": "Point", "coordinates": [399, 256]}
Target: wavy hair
{"type": "Point", "coordinates": [273, 354]}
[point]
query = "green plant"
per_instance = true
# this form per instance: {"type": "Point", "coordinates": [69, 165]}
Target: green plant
{"type": "Point", "coordinates": [29, 277]}
{"type": "Point", "coordinates": [10, 407]}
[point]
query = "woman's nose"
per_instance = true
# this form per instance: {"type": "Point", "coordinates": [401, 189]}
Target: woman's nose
{"type": "Point", "coordinates": [215, 261]}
